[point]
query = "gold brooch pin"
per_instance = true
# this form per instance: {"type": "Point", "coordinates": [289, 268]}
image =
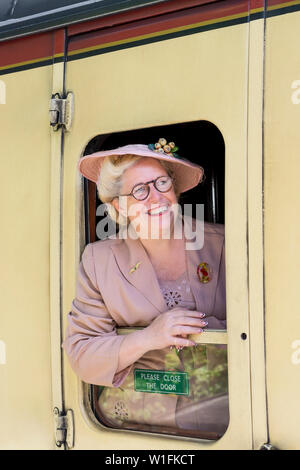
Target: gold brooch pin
{"type": "Point", "coordinates": [132, 270]}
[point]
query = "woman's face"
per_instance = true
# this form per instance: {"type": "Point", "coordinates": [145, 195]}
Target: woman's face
{"type": "Point", "coordinates": [154, 216]}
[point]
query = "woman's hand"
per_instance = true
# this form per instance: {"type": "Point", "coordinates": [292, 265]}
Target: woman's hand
{"type": "Point", "coordinates": [168, 329]}
{"type": "Point", "coordinates": [172, 327]}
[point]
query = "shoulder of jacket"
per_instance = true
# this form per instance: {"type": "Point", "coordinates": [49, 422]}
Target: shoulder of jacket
{"type": "Point", "coordinates": [214, 229]}
{"type": "Point", "coordinates": [209, 228]}
{"type": "Point", "coordinates": [100, 246]}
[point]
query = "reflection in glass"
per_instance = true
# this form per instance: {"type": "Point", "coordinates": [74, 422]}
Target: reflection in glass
{"type": "Point", "coordinates": [202, 413]}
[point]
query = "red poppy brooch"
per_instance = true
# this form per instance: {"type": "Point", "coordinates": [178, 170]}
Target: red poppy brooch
{"type": "Point", "coordinates": [204, 273]}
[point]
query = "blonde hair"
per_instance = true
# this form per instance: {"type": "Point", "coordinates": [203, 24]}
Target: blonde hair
{"type": "Point", "coordinates": [110, 181]}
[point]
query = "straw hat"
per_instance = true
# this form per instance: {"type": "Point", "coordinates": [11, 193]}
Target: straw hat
{"type": "Point", "coordinates": [187, 174]}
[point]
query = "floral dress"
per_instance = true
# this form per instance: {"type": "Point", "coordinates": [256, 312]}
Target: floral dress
{"type": "Point", "coordinates": [178, 293]}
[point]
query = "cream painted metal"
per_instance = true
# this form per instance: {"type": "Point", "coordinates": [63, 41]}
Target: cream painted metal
{"type": "Point", "coordinates": [25, 376]}
{"type": "Point", "coordinates": [126, 90]}
{"type": "Point", "coordinates": [221, 79]}
{"type": "Point", "coordinates": [55, 252]}
{"type": "Point", "coordinates": [282, 228]}
{"type": "Point", "coordinates": [207, 337]}
{"type": "Point", "coordinates": [255, 233]}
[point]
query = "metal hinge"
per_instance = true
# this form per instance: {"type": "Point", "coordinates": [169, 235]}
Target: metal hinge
{"type": "Point", "coordinates": [61, 111]}
{"type": "Point", "coordinates": [64, 428]}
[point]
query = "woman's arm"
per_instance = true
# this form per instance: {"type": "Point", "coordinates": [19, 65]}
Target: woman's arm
{"type": "Point", "coordinates": [91, 341]}
{"type": "Point", "coordinates": [96, 353]}
{"type": "Point", "coordinates": [165, 330]}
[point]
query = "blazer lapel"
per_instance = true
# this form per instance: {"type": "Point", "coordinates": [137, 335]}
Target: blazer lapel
{"type": "Point", "coordinates": [127, 254]}
{"type": "Point", "coordinates": [130, 251]}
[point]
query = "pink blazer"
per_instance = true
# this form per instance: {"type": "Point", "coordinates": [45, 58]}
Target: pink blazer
{"type": "Point", "coordinates": [108, 296]}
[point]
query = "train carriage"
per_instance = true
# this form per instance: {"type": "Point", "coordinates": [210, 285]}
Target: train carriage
{"type": "Point", "coordinates": [224, 77]}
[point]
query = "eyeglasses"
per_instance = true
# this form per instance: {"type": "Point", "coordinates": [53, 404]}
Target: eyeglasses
{"type": "Point", "coordinates": [141, 190]}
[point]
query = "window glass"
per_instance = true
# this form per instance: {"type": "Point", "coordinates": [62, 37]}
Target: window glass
{"type": "Point", "coordinates": [202, 411]}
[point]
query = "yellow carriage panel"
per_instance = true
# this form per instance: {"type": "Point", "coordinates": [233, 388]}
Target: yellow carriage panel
{"type": "Point", "coordinates": [282, 228]}
{"type": "Point", "coordinates": [25, 376]}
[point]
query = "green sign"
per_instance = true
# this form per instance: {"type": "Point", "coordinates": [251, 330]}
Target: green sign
{"type": "Point", "coordinates": [160, 381]}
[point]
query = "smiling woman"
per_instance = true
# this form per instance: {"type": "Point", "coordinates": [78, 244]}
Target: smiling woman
{"type": "Point", "coordinates": [211, 77]}
{"type": "Point", "coordinates": [148, 206]}
{"type": "Point", "coordinates": [111, 183]}
{"type": "Point", "coordinates": [123, 281]}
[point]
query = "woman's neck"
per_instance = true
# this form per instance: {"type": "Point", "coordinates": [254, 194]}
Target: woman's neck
{"type": "Point", "coordinates": [163, 247]}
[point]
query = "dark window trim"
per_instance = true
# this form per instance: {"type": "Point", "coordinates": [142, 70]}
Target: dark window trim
{"type": "Point", "coordinates": [16, 20]}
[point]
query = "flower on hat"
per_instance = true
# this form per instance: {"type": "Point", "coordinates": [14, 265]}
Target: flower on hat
{"type": "Point", "coordinates": [162, 146]}
{"type": "Point", "coordinates": [162, 141]}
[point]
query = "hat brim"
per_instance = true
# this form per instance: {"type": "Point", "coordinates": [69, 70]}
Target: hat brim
{"type": "Point", "coordinates": [187, 174]}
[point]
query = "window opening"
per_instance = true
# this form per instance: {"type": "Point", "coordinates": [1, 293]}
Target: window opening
{"type": "Point", "coordinates": [203, 412]}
